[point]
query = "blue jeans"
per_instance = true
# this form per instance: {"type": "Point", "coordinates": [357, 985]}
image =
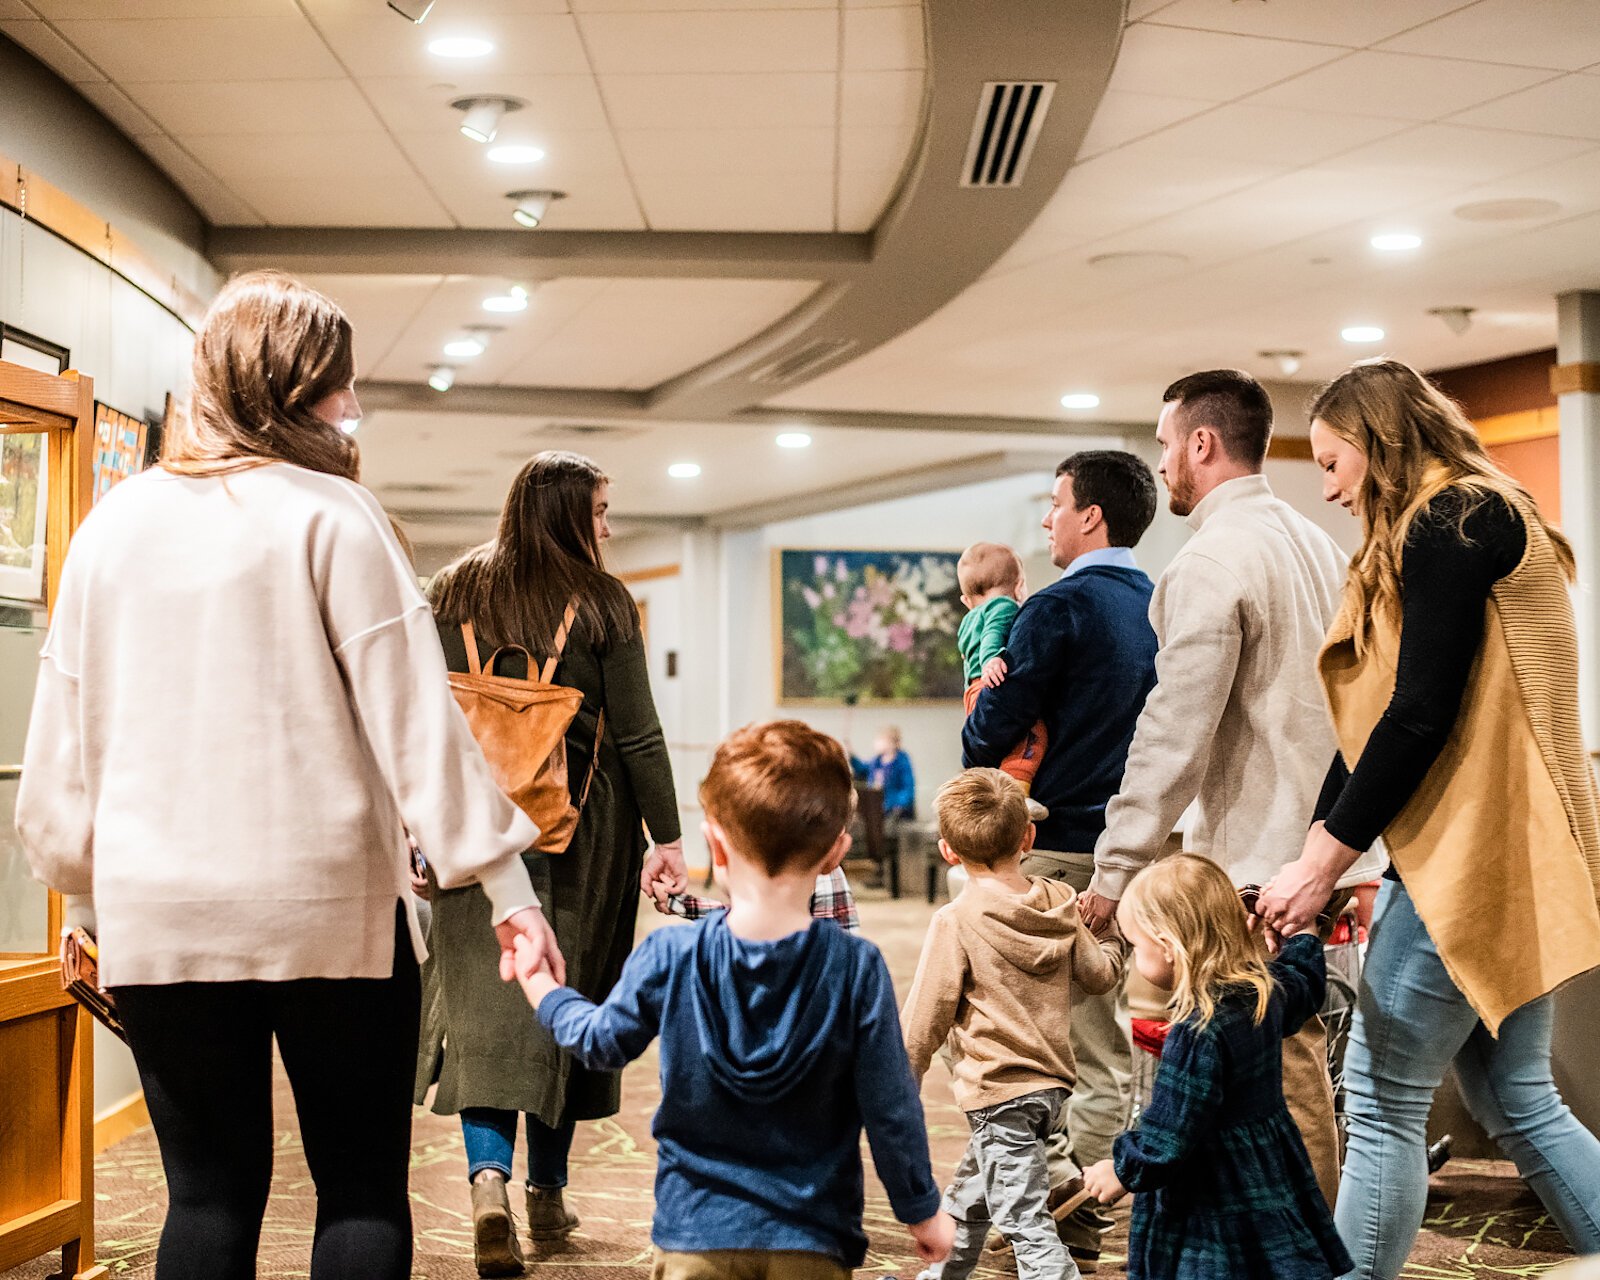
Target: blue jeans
{"type": "Point", "coordinates": [1411, 1023]}
{"type": "Point", "coordinates": [491, 1135]}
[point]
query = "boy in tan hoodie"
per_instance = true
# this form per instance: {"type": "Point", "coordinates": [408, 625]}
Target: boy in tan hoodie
{"type": "Point", "coordinates": [995, 981]}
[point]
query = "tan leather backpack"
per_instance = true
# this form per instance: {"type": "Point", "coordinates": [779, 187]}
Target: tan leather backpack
{"type": "Point", "coordinates": [522, 727]}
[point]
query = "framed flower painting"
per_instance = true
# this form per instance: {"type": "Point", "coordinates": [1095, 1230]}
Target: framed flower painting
{"type": "Point", "coordinates": [870, 626]}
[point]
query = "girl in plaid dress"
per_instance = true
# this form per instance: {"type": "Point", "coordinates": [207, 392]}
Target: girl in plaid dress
{"type": "Point", "coordinates": [1225, 1185]}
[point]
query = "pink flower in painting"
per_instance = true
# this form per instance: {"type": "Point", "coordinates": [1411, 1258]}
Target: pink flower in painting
{"type": "Point", "coordinates": [860, 593]}
{"type": "Point", "coordinates": [840, 572]}
{"type": "Point", "coordinates": [813, 600]}
{"type": "Point", "coordinates": [881, 591]}
{"type": "Point", "coordinates": [858, 622]}
{"type": "Point", "coordinates": [838, 619]}
{"type": "Point", "coordinates": [900, 637]}
{"type": "Point", "coordinates": [820, 565]}
{"type": "Point", "coordinates": [828, 592]}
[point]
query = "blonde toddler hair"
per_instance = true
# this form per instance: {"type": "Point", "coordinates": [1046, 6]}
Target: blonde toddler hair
{"type": "Point", "coordinates": [1188, 903]}
{"type": "Point", "coordinates": [983, 816]}
{"type": "Point", "coordinates": [986, 565]}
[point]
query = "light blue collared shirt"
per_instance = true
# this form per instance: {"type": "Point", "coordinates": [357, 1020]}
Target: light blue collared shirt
{"type": "Point", "coordinates": [1116, 557]}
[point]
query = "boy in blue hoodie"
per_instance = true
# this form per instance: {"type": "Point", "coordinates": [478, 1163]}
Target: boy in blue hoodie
{"type": "Point", "coordinates": [780, 1039]}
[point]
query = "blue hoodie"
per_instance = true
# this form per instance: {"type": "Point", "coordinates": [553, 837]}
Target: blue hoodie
{"type": "Point", "coordinates": [773, 1057]}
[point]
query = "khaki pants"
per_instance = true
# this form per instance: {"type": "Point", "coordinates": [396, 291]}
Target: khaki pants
{"type": "Point", "coordinates": [747, 1264]}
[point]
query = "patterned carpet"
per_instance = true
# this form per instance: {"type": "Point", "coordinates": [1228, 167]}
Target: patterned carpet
{"type": "Point", "coordinates": [1482, 1222]}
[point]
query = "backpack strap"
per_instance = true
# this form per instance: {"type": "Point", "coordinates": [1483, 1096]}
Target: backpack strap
{"type": "Point", "coordinates": [594, 759]}
{"type": "Point", "coordinates": [470, 639]}
{"type": "Point", "coordinates": [562, 632]}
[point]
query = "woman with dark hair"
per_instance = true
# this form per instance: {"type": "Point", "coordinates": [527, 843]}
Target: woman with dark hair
{"type": "Point", "coordinates": [241, 706]}
{"type": "Point", "coordinates": [492, 1061]}
{"type": "Point", "coordinates": [1452, 674]}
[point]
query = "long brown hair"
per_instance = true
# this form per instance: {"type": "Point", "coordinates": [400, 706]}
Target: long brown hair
{"type": "Point", "coordinates": [1417, 443]}
{"type": "Point", "coordinates": [515, 589]}
{"type": "Point", "coordinates": [1189, 903]}
{"type": "Point", "coordinates": [269, 349]}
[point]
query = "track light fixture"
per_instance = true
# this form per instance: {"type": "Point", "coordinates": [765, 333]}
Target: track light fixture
{"type": "Point", "coordinates": [481, 118]}
{"type": "Point", "coordinates": [442, 378]}
{"type": "Point", "coordinates": [411, 10]}
{"type": "Point", "coordinates": [1288, 362]}
{"type": "Point", "coordinates": [531, 206]}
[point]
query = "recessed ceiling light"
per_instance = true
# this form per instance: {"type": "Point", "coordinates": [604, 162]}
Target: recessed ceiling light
{"type": "Point", "coordinates": [684, 470]}
{"type": "Point", "coordinates": [516, 300]}
{"type": "Point", "coordinates": [350, 425]}
{"type": "Point", "coordinates": [1080, 400]}
{"type": "Point", "coordinates": [516, 153]}
{"type": "Point", "coordinates": [794, 440]}
{"type": "Point", "coordinates": [480, 120]}
{"type": "Point", "coordinates": [531, 206]}
{"type": "Point", "coordinates": [1396, 241]}
{"type": "Point", "coordinates": [1361, 333]}
{"type": "Point", "coordinates": [460, 47]}
{"type": "Point", "coordinates": [442, 378]}
{"type": "Point", "coordinates": [465, 348]}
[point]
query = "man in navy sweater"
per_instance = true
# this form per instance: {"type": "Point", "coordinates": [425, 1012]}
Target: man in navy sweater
{"type": "Point", "coordinates": [1081, 658]}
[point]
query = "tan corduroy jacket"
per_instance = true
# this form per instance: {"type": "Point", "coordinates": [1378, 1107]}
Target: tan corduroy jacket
{"type": "Point", "coordinates": [995, 980]}
{"type": "Point", "coordinates": [1499, 848]}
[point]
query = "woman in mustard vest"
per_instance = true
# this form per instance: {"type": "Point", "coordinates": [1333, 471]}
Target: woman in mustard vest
{"type": "Point", "coordinates": [1452, 676]}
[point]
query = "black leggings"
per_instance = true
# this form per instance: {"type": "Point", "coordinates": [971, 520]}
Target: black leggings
{"type": "Point", "coordinates": [204, 1051]}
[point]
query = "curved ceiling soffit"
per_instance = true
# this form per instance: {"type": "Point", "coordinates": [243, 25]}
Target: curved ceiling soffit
{"type": "Point", "coordinates": [936, 238]}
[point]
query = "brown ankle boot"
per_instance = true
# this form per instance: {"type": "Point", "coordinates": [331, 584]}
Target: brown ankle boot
{"type": "Point", "coordinates": [548, 1216]}
{"type": "Point", "coordinates": [495, 1248]}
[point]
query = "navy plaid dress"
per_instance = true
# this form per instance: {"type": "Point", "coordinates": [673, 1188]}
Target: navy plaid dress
{"type": "Point", "coordinates": [1223, 1186]}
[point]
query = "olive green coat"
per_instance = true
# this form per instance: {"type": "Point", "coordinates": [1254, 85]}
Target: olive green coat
{"type": "Point", "coordinates": [479, 1037]}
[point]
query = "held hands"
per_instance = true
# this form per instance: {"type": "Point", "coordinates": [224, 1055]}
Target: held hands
{"type": "Point", "coordinates": [530, 928]}
{"type": "Point", "coordinates": [1099, 913]}
{"type": "Point", "coordinates": [994, 672]}
{"type": "Point", "coordinates": [1291, 902]}
{"type": "Point", "coordinates": [934, 1236]}
{"type": "Point", "coordinates": [1101, 1181]}
{"type": "Point", "coordinates": [533, 971]}
{"type": "Point", "coordinates": [664, 874]}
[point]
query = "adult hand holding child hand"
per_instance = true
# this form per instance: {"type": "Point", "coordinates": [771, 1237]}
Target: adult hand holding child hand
{"type": "Point", "coordinates": [530, 928]}
{"type": "Point", "coordinates": [664, 873]}
{"type": "Point", "coordinates": [533, 971]}
{"type": "Point", "coordinates": [1099, 913]}
{"type": "Point", "coordinates": [1101, 1181]}
{"type": "Point", "coordinates": [934, 1236]}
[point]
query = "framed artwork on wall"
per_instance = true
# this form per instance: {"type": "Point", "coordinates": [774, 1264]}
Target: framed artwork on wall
{"type": "Point", "coordinates": [118, 448]}
{"type": "Point", "coordinates": [24, 509]}
{"type": "Point", "coordinates": [873, 626]}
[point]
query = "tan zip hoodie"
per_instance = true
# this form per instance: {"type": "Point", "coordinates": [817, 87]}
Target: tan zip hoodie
{"type": "Point", "coordinates": [996, 979]}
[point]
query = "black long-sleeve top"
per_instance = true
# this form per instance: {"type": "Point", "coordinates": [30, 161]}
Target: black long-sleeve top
{"type": "Point", "coordinates": [1446, 573]}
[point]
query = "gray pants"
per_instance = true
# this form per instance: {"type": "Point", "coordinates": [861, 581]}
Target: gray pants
{"type": "Point", "coordinates": [1002, 1179]}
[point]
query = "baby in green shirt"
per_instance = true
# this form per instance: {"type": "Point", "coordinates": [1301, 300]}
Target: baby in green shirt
{"type": "Point", "coordinates": [992, 588]}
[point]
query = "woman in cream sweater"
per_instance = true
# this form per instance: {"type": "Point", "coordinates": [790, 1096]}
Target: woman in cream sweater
{"type": "Point", "coordinates": [1452, 675]}
{"type": "Point", "coordinates": [241, 700]}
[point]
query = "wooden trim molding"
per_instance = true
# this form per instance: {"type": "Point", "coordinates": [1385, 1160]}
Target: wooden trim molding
{"type": "Point", "coordinates": [650, 574]}
{"type": "Point", "coordinates": [121, 1121]}
{"type": "Point", "coordinates": [1514, 428]}
{"type": "Point", "coordinates": [1575, 377]}
{"type": "Point", "coordinates": [1289, 449]}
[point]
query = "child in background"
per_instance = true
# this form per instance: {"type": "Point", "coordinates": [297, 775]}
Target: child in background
{"type": "Point", "coordinates": [995, 980]}
{"type": "Point", "coordinates": [1226, 1187]}
{"type": "Point", "coordinates": [779, 1039]}
{"type": "Point", "coordinates": [992, 587]}
{"type": "Point", "coordinates": [830, 900]}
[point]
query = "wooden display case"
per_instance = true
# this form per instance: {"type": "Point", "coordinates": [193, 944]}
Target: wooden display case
{"type": "Point", "coordinates": [46, 1040]}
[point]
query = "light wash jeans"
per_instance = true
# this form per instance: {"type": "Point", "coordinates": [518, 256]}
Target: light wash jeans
{"type": "Point", "coordinates": [1410, 1025]}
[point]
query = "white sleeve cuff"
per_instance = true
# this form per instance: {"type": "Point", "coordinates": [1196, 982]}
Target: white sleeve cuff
{"type": "Point", "coordinates": [1111, 882]}
{"type": "Point", "coordinates": [508, 888]}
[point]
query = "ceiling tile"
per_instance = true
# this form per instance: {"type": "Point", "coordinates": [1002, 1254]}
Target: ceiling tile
{"type": "Point", "coordinates": [695, 151]}
{"type": "Point", "coordinates": [1121, 117]}
{"type": "Point", "coordinates": [863, 196]}
{"type": "Point", "coordinates": [884, 40]}
{"type": "Point", "coordinates": [1568, 107]}
{"type": "Point", "coordinates": [645, 43]}
{"type": "Point", "coordinates": [302, 203]}
{"type": "Point", "coordinates": [131, 51]}
{"type": "Point", "coordinates": [106, 10]}
{"type": "Point", "coordinates": [722, 202]}
{"type": "Point", "coordinates": [1460, 154]}
{"type": "Point", "coordinates": [881, 98]}
{"type": "Point", "coordinates": [1138, 9]}
{"type": "Point", "coordinates": [17, 9]}
{"type": "Point", "coordinates": [1353, 23]}
{"type": "Point", "coordinates": [1170, 61]}
{"type": "Point", "coordinates": [535, 44]}
{"type": "Point", "coordinates": [1398, 86]}
{"type": "Point", "coordinates": [882, 4]}
{"type": "Point", "coordinates": [1534, 33]}
{"type": "Point", "coordinates": [211, 195]}
{"type": "Point", "coordinates": [265, 107]}
{"type": "Point", "coordinates": [441, 21]}
{"type": "Point", "coordinates": [410, 104]}
{"type": "Point", "coordinates": [252, 164]}
{"type": "Point", "coordinates": [875, 150]}
{"type": "Point", "coordinates": [684, 6]}
{"type": "Point", "coordinates": [1244, 131]}
{"type": "Point", "coordinates": [784, 100]}
{"type": "Point", "coordinates": [120, 109]}
{"type": "Point", "coordinates": [58, 54]}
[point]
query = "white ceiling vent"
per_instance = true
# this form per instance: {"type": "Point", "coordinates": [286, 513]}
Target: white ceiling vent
{"type": "Point", "coordinates": [796, 364]}
{"type": "Point", "coordinates": [1010, 115]}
